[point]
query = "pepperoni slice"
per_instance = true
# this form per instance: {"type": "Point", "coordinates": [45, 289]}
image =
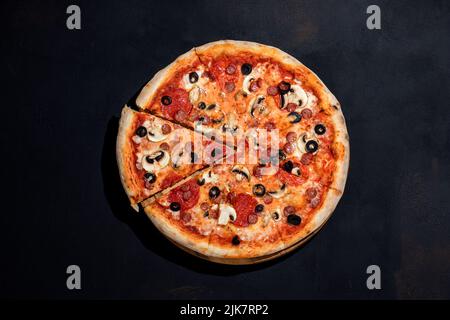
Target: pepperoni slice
{"type": "Point", "coordinates": [272, 91]}
{"type": "Point", "coordinates": [180, 104]}
{"type": "Point", "coordinates": [311, 193]}
{"type": "Point", "coordinates": [252, 218]}
{"type": "Point", "coordinates": [170, 180]}
{"type": "Point", "coordinates": [179, 195]}
{"type": "Point", "coordinates": [306, 113]}
{"type": "Point", "coordinates": [291, 107]}
{"type": "Point", "coordinates": [244, 205]}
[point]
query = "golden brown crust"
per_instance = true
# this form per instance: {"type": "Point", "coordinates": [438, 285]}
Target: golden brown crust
{"type": "Point", "coordinates": [124, 155]}
{"type": "Point", "coordinates": [175, 230]}
{"type": "Point", "coordinates": [267, 241]}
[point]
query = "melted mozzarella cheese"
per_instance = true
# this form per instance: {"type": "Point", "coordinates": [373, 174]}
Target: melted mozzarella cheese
{"type": "Point", "coordinates": [210, 177]}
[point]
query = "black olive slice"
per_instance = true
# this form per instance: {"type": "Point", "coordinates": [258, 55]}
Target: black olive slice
{"type": "Point", "coordinates": [201, 105]}
{"type": "Point", "coordinates": [175, 206]}
{"type": "Point", "coordinates": [235, 241]}
{"type": "Point", "coordinates": [193, 77]}
{"type": "Point", "coordinates": [259, 208]}
{"type": "Point", "coordinates": [201, 182]}
{"type": "Point", "coordinates": [295, 117]}
{"type": "Point", "coordinates": [166, 100]}
{"type": "Point", "coordinates": [294, 219]}
{"type": "Point", "coordinates": [259, 190]}
{"type": "Point", "coordinates": [320, 129]}
{"type": "Point", "coordinates": [246, 69]}
{"type": "Point", "coordinates": [150, 177]}
{"type": "Point", "coordinates": [312, 146]}
{"type": "Point", "coordinates": [211, 106]}
{"type": "Point", "coordinates": [214, 192]}
{"type": "Point", "coordinates": [287, 166]}
{"type": "Point", "coordinates": [141, 131]}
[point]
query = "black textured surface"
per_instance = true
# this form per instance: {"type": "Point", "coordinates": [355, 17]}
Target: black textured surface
{"type": "Point", "coordinates": [62, 202]}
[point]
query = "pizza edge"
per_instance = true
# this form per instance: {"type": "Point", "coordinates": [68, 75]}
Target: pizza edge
{"type": "Point", "coordinates": [124, 156]}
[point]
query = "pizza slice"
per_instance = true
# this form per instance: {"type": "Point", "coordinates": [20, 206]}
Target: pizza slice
{"type": "Point", "coordinates": [310, 176]}
{"type": "Point", "coordinates": [221, 203]}
{"type": "Point", "coordinates": [176, 213]}
{"type": "Point", "coordinates": [186, 92]}
{"type": "Point", "coordinates": [153, 154]}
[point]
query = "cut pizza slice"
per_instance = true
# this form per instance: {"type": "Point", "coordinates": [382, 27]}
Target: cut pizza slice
{"type": "Point", "coordinates": [174, 212]}
{"type": "Point", "coordinates": [311, 177]}
{"type": "Point", "coordinates": [185, 92]}
{"type": "Point", "coordinates": [246, 226]}
{"type": "Point", "coordinates": [220, 204]}
{"type": "Point", "coordinates": [153, 154]}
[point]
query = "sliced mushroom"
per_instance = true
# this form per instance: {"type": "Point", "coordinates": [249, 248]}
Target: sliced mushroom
{"type": "Point", "coordinates": [296, 171]}
{"type": "Point", "coordinates": [241, 173]}
{"type": "Point", "coordinates": [257, 106]}
{"type": "Point", "coordinates": [231, 125]}
{"type": "Point", "coordinates": [155, 161]}
{"type": "Point", "coordinates": [246, 83]}
{"type": "Point", "coordinates": [210, 177]}
{"type": "Point", "coordinates": [226, 214]}
{"type": "Point", "coordinates": [154, 132]}
{"type": "Point", "coordinates": [295, 95]}
{"type": "Point", "coordinates": [177, 159]}
{"type": "Point", "coordinates": [278, 193]}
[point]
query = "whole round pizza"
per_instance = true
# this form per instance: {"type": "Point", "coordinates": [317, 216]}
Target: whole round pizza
{"type": "Point", "coordinates": [236, 151]}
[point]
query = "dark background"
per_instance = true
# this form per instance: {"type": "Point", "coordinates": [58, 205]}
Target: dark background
{"type": "Point", "coordinates": [62, 202]}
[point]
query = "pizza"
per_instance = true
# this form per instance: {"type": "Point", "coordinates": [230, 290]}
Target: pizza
{"type": "Point", "coordinates": [237, 151]}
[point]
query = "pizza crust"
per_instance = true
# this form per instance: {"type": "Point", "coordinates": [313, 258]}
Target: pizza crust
{"type": "Point", "coordinates": [175, 231]}
{"type": "Point", "coordinates": [124, 155]}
